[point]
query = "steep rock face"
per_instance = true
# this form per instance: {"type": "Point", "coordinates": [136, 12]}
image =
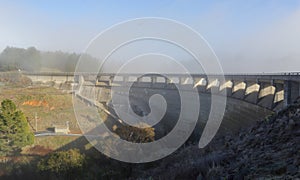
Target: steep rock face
{"type": "Point", "coordinates": [269, 149]}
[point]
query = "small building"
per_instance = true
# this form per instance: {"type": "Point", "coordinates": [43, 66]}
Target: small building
{"type": "Point", "coordinates": [62, 130]}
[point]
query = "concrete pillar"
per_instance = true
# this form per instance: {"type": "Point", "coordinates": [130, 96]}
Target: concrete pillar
{"type": "Point", "coordinates": [139, 79]}
{"type": "Point", "coordinates": [279, 96]}
{"type": "Point", "coordinates": [111, 79]}
{"type": "Point", "coordinates": [171, 82]}
{"type": "Point", "coordinates": [153, 79]}
{"type": "Point", "coordinates": [291, 92]}
{"type": "Point", "coordinates": [166, 80]}
{"type": "Point", "coordinates": [252, 92]}
{"type": "Point", "coordinates": [227, 85]}
{"type": "Point", "coordinates": [201, 85]}
{"type": "Point", "coordinates": [213, 83]}
{"type": "Point", "coordinates": [239, 88]}
{"type": "Point", "coordinates": [266, 95]}
{"type": "Point", "coordinates": [180, 80]}
{"type": "Point", "coordinates": [213, 86]}
{"type": "Point", "coordinates": [201, 82]}
{"type": "Point", "coordinates": [196, 80]}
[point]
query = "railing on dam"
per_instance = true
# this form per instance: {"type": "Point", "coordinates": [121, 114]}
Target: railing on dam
{"type": "Point", "coordinates": [269, 90]}
{"type": "Point", "coordinates": [48, 73]}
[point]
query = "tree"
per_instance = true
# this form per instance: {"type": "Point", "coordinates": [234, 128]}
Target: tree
{"type": "Point", "coordinates": [14, 129]}
{"type": "Point", "coordinates": [135, 134]}
{"type": "Point", "coordinates": [18, 58]}
{"type": "Point", "coordinates": [31, 59]}
{"type": "Point", "coordinates": [63, 163]}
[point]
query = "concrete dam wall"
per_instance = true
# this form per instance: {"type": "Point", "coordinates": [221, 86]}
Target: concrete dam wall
{"type": "Point", "coordinates": [250, 97]}
{"type": "Point", "coordinates": [239, 114]}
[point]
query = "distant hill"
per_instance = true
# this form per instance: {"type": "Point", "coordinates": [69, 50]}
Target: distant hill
{"type": "Point", "coordinates": [31, 59]}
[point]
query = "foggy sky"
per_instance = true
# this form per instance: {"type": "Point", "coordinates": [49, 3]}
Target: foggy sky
{"type": "Point", "coordinates": [255, 36]}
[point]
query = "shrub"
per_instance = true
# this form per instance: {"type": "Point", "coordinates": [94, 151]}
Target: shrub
{"type": "Point", "coordinates": [135, 134]}
{"type": "Point", "coordinates": [63, 163]}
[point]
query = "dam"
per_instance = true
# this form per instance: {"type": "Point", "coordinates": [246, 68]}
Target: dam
{"type": "Point", "coordinates": [269, 90]}
{"type": "Point", "coordinates": [251, 97]}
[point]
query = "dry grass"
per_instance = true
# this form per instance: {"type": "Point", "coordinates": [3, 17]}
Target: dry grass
{"type": "Point", "coordinates": [52, 106]}
{"type": "Point", "coordinates": [55, 108]}
{"type": "Point", "coordinates": [54, 142]}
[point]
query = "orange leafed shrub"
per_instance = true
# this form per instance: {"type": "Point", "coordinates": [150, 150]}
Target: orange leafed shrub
{"type": "Point", "coordinates": [36, 103]}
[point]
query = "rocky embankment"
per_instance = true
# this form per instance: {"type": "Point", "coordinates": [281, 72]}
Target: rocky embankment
{"type": "Point", "coordinates": [270, 149]}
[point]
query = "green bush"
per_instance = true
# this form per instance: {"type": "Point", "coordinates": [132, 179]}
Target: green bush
{"type": "Point", "coordinates": [63, 163]}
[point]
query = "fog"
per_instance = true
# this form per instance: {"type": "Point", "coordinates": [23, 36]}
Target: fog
{"type": "Point", "coordinates": [274, 48]}
{"type": "Point", "coordinates": [265, 38]}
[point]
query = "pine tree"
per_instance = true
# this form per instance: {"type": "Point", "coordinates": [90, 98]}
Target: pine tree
{"type": "Point", "coordinates": [14, 129]}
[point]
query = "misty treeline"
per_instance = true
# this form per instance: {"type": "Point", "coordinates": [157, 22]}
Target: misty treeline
{"type": "Point", "coordinates": [31, 59]}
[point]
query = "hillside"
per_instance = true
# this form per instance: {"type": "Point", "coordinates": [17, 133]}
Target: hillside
{"type": "Point", "coordinates": [32, 59]}
{"type": "Point", "coordinates": [270, 149]}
